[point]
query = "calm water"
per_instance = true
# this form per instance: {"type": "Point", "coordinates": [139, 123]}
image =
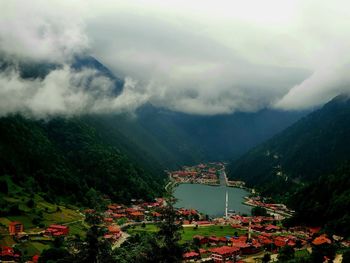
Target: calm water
{"type": "Point", "coordinates": [211, 199]}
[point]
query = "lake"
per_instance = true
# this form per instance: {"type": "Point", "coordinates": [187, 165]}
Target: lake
{"type": "Point", "coordinates": [211, 199]}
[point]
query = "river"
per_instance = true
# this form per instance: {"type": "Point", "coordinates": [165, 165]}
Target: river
{"type": "Point", "coordinates": [211, 199]}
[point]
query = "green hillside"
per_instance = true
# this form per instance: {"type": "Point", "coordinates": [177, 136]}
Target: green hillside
{"type": "Point", "coordinates": [67, 158]}
{"type": "Point", "coordinates": [306, 165]}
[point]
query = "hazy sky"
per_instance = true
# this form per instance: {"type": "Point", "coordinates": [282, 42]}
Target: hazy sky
{"type": "Point", "coordinates": [194, 56]}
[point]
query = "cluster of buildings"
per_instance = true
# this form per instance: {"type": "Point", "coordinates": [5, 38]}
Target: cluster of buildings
{"type": "Point", "coordinates": [57, 230]}
{"type": "Point", "coordinates": [113, 234]}
{"type": "Point", "coordinates": [239, 184]}
{"type": "Point", "coordinates": [16, 230]}
{"type": "Point", "coordinates": [8, 254]}
{"type": "Point", "coordinates": [200, 174]}
{"type": "Point", "coordinates": [137, 212]}
{"type": "Point", "coordinates": [277, 209]}
{"type": "Point", "coordinates": [261, 235]}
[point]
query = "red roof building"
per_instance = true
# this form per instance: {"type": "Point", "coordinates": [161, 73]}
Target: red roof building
{"type": "Point", "coordinates": [35, 258]}
{"type": "Point", "coordinates": [314, 230]}
{"type": "Point", "coordinates": [214, 239]}
{"type": "Point", "coordinates": [137, 215]}
{"type": "Point", "coordinates": [15, 227]}
{"type": "Point", "coordinates": [280, 241]}
{"type": "Point", "coordinates": [108, 220]}
{"type": "Point", "coordinates": [201, 239]}
{"type": "Point", "coordinates": [8, 254]}
{"type": "Point", "coordinates": [113, 229]}
{"type": "Point", "coordinates": [272, 228]}
{"type": "Point", "coordinates": [190, 255]}
{"type": "Point", "coordinates": [321, 240]}
{"type": "Point", "coordinates": [117, 216]}
{"type": "Point", "coordinates": [57, 230]}
{"type": "Point", "coordinates": [223, 254]}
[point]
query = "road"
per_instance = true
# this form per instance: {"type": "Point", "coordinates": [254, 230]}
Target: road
{"type": "Point", "coordinates": [223, 178]}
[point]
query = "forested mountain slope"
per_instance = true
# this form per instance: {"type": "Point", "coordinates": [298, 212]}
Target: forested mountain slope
{"type": "Point", "coordinates": [312, 158]}
{"type": "Point", "coordinates": [65, 158]}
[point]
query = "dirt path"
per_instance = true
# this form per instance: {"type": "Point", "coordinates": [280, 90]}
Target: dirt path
{"type": "Point", "coordinates": [121, 240]}
{"type": "Point", "coordinates": [338, 258]}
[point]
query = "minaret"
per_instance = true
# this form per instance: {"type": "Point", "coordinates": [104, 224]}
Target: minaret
{"type": "Point", "coordinates": [250, 230]}
{"type": "Point", "coordinates": [226, 206]}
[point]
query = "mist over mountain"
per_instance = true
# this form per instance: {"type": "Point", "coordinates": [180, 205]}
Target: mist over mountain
{"type": "Point", "coordinates": [184, 63]}
{"type": "Point", "coordinates": [168, 137]}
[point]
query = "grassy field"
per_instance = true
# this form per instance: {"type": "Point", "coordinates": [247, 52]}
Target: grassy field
{"type": "Point", "coordinates": [301, 253]}
{"type": "Point", "coordinates": [78, 228]}
{"type": "Point", "coordinates": [219, 231]}
{"type": "Point", "coordinates": [187, 233]}
{"type": "Point", "coordinates": [150, 228]}
{"type": "Point", "coordinates": [33, 248]}
{"type": "Point", "coordinates": [47, 213]}
{"type": "Point", "coordinates": [51, 213]}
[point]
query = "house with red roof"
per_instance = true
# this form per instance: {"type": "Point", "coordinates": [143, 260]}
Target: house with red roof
{"type": "Point", "coordinates": [113, 229]}
{"type": "Point", "coordinates": [272, 228]}
{"type": "Point", "coordinates": [57, 230]}
{"type": "Point", "coordinates": [224, 253]}
{"type": "Point", "coordinates": [280, 241]}
{"type": "Point", "coordinates": [156, 216]}
{"type": "Point", "coordinates": [321, 240]}
{"type": "Point", "coordinates": [190, 256]}
{"type": "Point", "coordinates": [118, 216]}
{"type": "Point", "coordinates": [201, 239]}
{"type": "Point", "coordinates": [214, 240]}
{"type": "Point", "coordinates": [252, 249]}
{"type": "Point", "coordinates": [108, 220]}
{"type": "Point", "coordinates": [35, 258]}
{"type": "Point", "coordinates": [137, 215]}
{"type": "Point", "coordinates": [8, 254]}
{"type": "Point", "coordinates": [314, 230]}
{"type": "Point", "coordinates": [15, 227]}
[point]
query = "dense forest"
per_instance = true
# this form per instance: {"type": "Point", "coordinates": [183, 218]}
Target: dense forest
{"type": "Point", "coordinates": [67, 158]}
{"type": "Point", "coordinates": [306, 165]}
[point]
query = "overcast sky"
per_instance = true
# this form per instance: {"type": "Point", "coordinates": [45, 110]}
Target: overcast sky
{"type": "Point", "coordinates": [195, 56]}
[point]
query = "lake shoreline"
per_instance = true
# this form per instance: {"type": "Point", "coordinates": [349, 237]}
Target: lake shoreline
{"type": "Point", "coordinates": [210, 199]}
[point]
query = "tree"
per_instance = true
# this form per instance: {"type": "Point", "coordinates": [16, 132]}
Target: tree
{"type": "Point", "coordinates": [169, 234]}
{"type": "Point", "coordinates": [59, 255]}
{"type": "Point", "coordinates": [285, 253]}
{"type": "Point", "coordinates": [346, 256]}
{"type": "Point", "coordinates": [58, 242]}
{"type": "Point", "coordinates": [30, 203]}
{"type": "Point", "coordinates": [266, 258]}
{"type": "Point", "coordinates": [93, 218]}
{"type": "Point", "coordinates": [259, 211]}
{"type": "Point", "coordinates": [4, 187]}
{"type": "Point", "coordinates": [321, 251]}
{"type": "Point", "coordinates": [95, 249]}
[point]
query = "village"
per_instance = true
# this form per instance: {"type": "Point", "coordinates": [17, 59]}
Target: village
{"type": "Point", "coordinates": [199, 174]}
{"type": "Point", "coordinates": [230, 238]}
{"type": "Point", "coordinates": [209, 174]}
{"type": "Point", "coordinates": [245, 236]}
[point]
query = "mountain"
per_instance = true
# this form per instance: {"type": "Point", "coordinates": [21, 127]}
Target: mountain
{"type": "Point", "coordinates": [66, 159]}
{"type": "Point", "coordinates": [76, 150]}
{"type": "Point", "coordinates": [307, 165]}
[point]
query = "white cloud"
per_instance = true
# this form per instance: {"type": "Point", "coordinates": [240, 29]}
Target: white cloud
{"type": "Point", "coordinates": [64, 92]}
{"type": "Point", "coordinates": [199, 56]}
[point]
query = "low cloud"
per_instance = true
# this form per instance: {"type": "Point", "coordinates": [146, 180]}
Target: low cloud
{"type": "Point", "coordinates": [63, 91]}
{"type": "Point", "coordinates": [197, 57]}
